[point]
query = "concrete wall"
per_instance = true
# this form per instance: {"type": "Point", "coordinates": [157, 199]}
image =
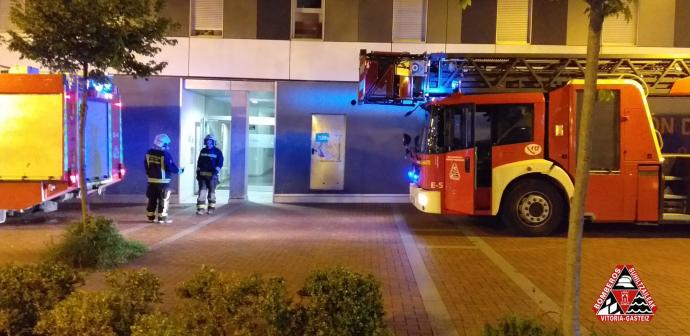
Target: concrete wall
{"type": "Point", "coordinates": [149, 108]}
{"type": "Point", "coordinates": [375, 21]}
{"type": "Point", "coordinates": [341, 22]}
{"type": "Point", "coordinates": [374, 152]}
{"type": "Point", "coordinates": [577, 23]}
{"type": "Point", "coordinates": [549, 22]}
{"type": "Point", "coordinates": [479, 22]}
{"type": "Point", "coordinates": [273, 19]}
{"type": "Point", "coordinates": [656, 24]}
{"type": "Point", "coordinates": [239, 19]}
{"type": "Point", "coordinates": [682, 24]}
{"type": "Point", "coordinates": [178, 11]}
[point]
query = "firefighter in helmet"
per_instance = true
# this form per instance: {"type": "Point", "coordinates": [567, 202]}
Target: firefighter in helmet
{"type": "Point", "coordinates": [208, 167]}
{"type": "Point", "coordinates": [159, 169]}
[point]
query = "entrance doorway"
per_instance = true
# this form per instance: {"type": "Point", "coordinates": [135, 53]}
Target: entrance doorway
{"type": "Point", "coordinates": [208, 107]}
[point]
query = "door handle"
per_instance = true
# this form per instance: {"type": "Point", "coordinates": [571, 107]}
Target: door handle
{"type": "Point", "coordinates": [467, 164]}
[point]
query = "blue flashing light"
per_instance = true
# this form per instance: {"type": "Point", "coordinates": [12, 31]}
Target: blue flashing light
{"type": "Point", "coordinates": [413, 176]}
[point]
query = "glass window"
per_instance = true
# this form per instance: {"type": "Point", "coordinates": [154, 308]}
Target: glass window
{"type": "Point", "coordinates": [606, 140]}
{"type": "Point", "coordinates": [513, 21]}
{"type": "Point", "coordinates": [207, 18]}
{"type": "Point", "coordinates": [307, 19]}
{"type": "Point", "coordinates": [506, 124]}
{"type": "Point", "coordinates": [409, 20]}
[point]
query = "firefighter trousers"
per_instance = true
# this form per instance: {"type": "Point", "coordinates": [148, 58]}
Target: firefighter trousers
{"type": "Point", "coordinates": [207, 192]}
{"type": "Point", "coordinates": [159, 201]}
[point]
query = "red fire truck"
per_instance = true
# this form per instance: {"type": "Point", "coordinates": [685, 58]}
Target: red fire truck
{"type": "Point", "coordinates": [39, 140]}
{"type": "Point", "coordinates": [500, 136]}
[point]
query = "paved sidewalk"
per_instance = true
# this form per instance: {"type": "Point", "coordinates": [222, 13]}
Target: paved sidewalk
{"type": "Point", "coordinates": [440, 275]}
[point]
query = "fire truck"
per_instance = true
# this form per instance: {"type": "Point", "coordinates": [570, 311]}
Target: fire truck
{"type": "Point", "coordinates": [39, 139]}
{"type": "Point", "coordinates": [499, 137]}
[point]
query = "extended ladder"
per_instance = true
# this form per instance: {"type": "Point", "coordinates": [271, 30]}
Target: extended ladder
{"type": "Point", "coordinates": [405, 79]}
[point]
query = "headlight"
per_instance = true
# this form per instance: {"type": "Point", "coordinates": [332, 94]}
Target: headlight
{"type": "Point", "coordinates": [422, 199]}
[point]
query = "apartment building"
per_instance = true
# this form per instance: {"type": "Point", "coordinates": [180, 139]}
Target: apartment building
{"type": "Point", "coordinates": [264, 75]}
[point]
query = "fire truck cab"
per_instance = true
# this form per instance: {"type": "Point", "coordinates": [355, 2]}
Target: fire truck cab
{"type": "Point", "coordinates": [513, 155]}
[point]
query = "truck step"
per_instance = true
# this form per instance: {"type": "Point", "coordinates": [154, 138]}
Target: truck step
{"type": "Point", "coordinates": [673, 197]}
{"type": "Point", "coordinates": [675, 218]}
{"type": "Point", "coordinates": [675, 178]}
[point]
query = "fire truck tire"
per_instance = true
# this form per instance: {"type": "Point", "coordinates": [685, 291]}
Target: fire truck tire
{"type": "Point", "coordinates": [533, 207]}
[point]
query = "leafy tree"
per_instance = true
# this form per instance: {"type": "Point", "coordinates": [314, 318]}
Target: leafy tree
{"type": "Point", "coordinates": [89, 37]}
{"type": "Point", "coordinates": [598, 10]}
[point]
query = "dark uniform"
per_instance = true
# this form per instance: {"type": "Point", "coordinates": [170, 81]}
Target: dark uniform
{"type": "Point", "coordinates": [208, 165]}
{"type": "Point", "coordinates": [159, 169]}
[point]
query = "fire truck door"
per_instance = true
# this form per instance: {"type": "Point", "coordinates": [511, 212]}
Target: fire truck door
{"type": "Point", "coordinates": [460, 160]}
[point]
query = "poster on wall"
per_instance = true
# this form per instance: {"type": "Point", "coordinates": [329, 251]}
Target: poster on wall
{"type": "Point", "coordinates": [327, 152]}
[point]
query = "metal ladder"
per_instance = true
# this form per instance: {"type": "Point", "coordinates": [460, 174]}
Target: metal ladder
{"type": "Point", "coordinates": [406, 79]}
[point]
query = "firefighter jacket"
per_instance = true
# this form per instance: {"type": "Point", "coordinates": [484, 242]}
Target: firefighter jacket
{"type": "Point", "coordinates": [209, 163]}
{"type": "Point", "coordinates": [159, 166]}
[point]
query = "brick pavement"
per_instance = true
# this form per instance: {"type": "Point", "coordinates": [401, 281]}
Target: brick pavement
{"type": "Point", "coordinates": [291, 240]}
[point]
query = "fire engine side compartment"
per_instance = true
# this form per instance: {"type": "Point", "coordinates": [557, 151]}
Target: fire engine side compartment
{"type": "Point", "coordinates": [31, 126]}
{"type": "Point", "coordinates": [630, 193]}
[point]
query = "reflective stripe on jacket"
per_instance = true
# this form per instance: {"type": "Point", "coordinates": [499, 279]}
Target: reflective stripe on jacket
{"type": "Point", "coordinates": [159, 166]}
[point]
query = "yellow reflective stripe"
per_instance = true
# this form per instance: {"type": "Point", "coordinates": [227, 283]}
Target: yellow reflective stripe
{"type": "Point", "coordinates": [209, 155]}
{"type": "Point", "coordinates": [153, 159]}
{"type": "Point", "coordinates": [205, 174]}
{"type": "Point", "coordinates": [157, 180]}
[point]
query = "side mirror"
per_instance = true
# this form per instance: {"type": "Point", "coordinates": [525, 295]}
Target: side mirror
{"type": "Point", "coordinates": [406, 139]}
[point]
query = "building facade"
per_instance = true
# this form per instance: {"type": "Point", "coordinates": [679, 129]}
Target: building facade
{"type": "Point", "coordinates": [262, 74]}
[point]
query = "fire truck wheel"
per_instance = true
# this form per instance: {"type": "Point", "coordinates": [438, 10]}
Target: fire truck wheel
{"type": "Point", "coordinates": [533, 207]}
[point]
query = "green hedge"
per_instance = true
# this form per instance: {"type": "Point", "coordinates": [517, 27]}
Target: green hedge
{"type": "Point", "coordinates": [28, 290]}
{"type": "Point", "coordinates": [95, 244]}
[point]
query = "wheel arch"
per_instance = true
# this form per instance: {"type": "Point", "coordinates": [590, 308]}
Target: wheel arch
{"type": "Point", "coordinates": [507, 176]}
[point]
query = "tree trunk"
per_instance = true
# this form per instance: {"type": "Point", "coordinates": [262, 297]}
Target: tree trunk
{"type": "Point", "coordinates": [571, 311]}
{"type": "Point", "coordinates": [84, 83]}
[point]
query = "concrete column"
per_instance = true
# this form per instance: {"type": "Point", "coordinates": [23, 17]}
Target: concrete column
{"type": "Point", "coordinates": [238, 145]}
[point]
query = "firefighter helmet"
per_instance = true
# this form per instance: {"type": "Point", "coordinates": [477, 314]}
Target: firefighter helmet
{"type": "Point", "coordinates": [161, 140]}
{"type": "Point", "coordinates": [210, 137]}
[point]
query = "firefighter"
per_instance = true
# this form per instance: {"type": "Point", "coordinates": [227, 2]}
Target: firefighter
{"type": "Point", "coordinates": [159, 169]}
{"type": "Point", "coordinates": [208, 167]}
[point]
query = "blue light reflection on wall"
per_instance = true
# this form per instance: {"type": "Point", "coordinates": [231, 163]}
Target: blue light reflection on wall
{"type": "Point", "coordinates": [375, 162]}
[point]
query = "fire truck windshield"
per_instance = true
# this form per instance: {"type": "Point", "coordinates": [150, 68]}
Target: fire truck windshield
{"type": "Point", "coordinates": [432, 136]}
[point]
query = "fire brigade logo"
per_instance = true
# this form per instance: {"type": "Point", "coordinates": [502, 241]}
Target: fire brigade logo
{"type": "Point", "coordinates": [454, 172]}
{"type": "Point", "coordinates": [533, 149]}
{"type": "Point", "coordinates": [625, 298]}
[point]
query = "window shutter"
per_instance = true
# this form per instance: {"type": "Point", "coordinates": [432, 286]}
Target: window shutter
{"type": "Point", "coordinates": [409, 20]}
{"type": "Point", "coordinates": [207, 15]}
{"type": "Point", "coordinates": [618, 31]}
{"type": "Point", "coordinates": [512, 21]}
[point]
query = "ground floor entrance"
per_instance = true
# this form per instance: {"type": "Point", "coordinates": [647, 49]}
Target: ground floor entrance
{"type": "Point", "coordinates": [241, 116]}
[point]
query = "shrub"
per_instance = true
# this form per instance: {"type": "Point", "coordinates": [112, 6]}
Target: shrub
{"type": "Point", "coordinates": [95, 244]}
{"type": "Point", "coordinates": [517, 326]}
{"type": "Point", "coordinates": [158, 324]}
{"type": "Point", "coordinates": [340, 302]}
{"type": "Point", "coordinates": [131, 294]}
{"type": "Point", "coordinates": [28, 290]}
{"type": "Point", "coordinates": [82, 313]}
{"type": "Point", "coordinates": [221, 304]}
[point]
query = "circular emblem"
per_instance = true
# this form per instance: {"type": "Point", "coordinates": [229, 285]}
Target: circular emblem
{"type": "Point", "coordinates": [533, 149]}
{"type": "Point", "coordinates": [415, 67]}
